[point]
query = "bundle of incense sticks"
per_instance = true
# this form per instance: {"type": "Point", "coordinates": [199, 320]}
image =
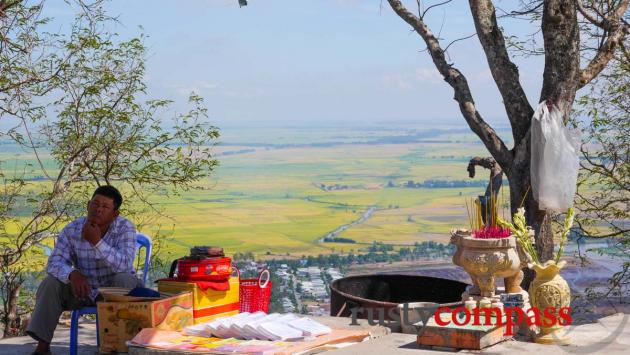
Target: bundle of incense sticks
{"type": "Point", "coordinates": [488, 229]}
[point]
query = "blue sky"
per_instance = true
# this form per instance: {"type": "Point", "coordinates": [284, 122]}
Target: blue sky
{"type": "Point", "coordinates": [294, 62]}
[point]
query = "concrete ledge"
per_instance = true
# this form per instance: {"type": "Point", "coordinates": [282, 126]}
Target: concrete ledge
{"type": "Point", "coordinates": [610, 335]}
{"type": "Point", "coordinates": [60, 343]}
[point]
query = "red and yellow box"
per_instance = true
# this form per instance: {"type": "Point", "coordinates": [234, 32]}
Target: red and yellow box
{"type": "Point", "coordinates": [208, 304]}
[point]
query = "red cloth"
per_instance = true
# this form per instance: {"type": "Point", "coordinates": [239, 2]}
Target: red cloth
{"type": "Point", "coordinates": [204, 285]}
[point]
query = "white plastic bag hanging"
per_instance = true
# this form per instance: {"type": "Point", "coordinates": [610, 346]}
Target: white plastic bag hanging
{"type": "Point", "coordinates": [554, 160]}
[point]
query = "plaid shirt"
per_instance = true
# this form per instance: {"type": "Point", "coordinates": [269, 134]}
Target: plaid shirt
{"type": "Point", "coordinates": [99, 263]}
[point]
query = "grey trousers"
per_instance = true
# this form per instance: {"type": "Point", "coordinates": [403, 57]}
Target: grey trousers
{"type": "Point", "coordinates": [53, 297]}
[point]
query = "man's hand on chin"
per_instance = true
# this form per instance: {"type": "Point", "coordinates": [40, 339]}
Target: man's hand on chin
{"type": "Point", "coordinates": [91, 232]}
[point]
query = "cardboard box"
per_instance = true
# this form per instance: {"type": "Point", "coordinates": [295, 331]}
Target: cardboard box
{"type": "Point", "coordinates": [469, 336]}
{"type": "Point", "coordinates": [119, 322]}
{"type": "Point", "coordinates": [208, 304]}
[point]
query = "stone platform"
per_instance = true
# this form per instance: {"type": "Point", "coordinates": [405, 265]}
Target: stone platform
{"type": "Point", "coordinates": [61, 341]}
{"type": "Point", "coordinates": [610, 335]}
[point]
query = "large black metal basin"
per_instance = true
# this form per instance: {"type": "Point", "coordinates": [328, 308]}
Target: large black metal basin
{"type": "Point", "coordinates": [387, 291]}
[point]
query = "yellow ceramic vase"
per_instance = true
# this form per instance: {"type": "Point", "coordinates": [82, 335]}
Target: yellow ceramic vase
{"type": "Point", "coordinates": [549, 289]}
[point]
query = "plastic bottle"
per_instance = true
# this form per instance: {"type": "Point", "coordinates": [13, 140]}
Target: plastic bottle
{"type": "Point", "coordinates": [485, 303]}
{"type": "Point", "coordinates": [470, 304]}
{"type": "Point", "coordinates": [497, 304]}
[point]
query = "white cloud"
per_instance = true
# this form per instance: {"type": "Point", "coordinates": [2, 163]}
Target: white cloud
{"type": "Point", "coordinates": [414, 78]}
{"type": "Point", "coordinates": [397, 81]}
{"type": "Point", "coordinates": [244, 94]}
{"type": "Point", "coordinates": [428, 75]}
{"type": "Point", "coordinates": [352, 3]}
{"type": "Point", "coordinates": [197, 87]}
{"type": "Point", "coordinates": [484, 76]}
{"type": "Point", "coordinates": [208, 86]}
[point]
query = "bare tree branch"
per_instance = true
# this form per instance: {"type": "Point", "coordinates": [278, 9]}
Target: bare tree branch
{"type": "Point", "coordinates": [603, 56]}
{"type": "Point", "coordinates": [587, 15]}
{"type": "Point", "coordinates": [504, 72]}
{"type": "Point", "coordinates": [609, 17]}
{"type": "Point", "coordinates": [35, 150]}
{"type": "Point", "coordinates": [625, 51]}
{"type": "Point", "coordinates": [457, 40]}
{"type": "Point", "coordinates": [424, 13]}
{"type": "Point", "coordinates": [458, 82]}
{"type": "Point", "coordinates": [616, 31]}
{"type": "Point", "coordinates": [496, 174]}
{"type": "Point", "coordinates": [7, 4]}
{"type": "Point", "coordinates": [527, 11]}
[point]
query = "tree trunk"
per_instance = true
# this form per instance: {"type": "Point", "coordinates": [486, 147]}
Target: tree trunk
{"type": "Point", "coordinates": [561, 36]}
{"type": "Point", "coordinates": [522, 196]}
{"type": "Point", "coordinates": [560, 83]}
{"type": "Point", "coordinates": [538, 219]}
{"type": "Point", "coordinates": [11, 311]}
{"type": "Point", "coordinates": [561, 78]}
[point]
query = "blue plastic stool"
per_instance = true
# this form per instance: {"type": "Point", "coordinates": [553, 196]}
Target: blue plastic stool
{"type": "Point", "coordinates": [142, 241]}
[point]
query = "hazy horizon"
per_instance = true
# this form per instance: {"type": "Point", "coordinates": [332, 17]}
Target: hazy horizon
{"type": "Point", "coordinates": [281, 62]}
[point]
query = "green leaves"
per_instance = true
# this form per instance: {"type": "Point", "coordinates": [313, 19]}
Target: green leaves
{"type": "Point", "coordinates": [568, 223]}
{"type": "Point", "coordinates": [603, 194]}
{"type": "Point", "coordinates": [108, 135]}
{"type": "Point", "coordinates": [81, 96]}
{"type": "Point", "coordinates": [521, 233]}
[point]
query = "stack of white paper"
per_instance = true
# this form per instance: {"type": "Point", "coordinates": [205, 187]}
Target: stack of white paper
{"type": "Point", "coordinates": [261, 326]}
{"type": "Point", "coordinates": [237, 327]}
{"type": "Point", "coordinates": [199, 330]}
{"type": "Point", "coordinates": [251, 332]}
{"type": "Point", "coordinates": [220, 327]}
{"type": "Point", "coordinates": [287, 318]}
{"type": "Point", "coordinates": [279, 331]}
{"type": "Point", "coordinates": [310, 327]}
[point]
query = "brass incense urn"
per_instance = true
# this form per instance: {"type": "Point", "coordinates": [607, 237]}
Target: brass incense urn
{"type": "Point", "coordinates": [485, 260]}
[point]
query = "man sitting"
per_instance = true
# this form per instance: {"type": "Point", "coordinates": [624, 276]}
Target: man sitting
{"type": "Point", "coordinates": [90, 252]}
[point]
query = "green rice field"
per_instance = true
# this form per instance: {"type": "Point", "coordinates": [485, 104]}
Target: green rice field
{"type": "Point", "coordinates": [278, 191]}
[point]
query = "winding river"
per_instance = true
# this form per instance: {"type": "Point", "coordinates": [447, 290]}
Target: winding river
{"type": "Point", "coordinates": [342, 228]}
